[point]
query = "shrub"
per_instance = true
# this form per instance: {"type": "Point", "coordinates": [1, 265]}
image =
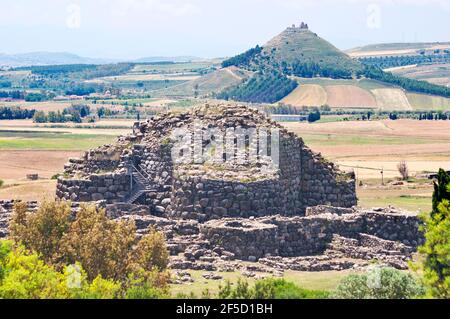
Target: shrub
{"type": "Point", "coordinates": [380, 283]}
{"type": "Point", "coordinates": [27, 277]}
{"type": "Point", "coordinates": [103, 247]}
{"type": "Point", "coordinates": [268, 289]}
{"type": "Point", "coordinates": [23, 275]}
{"type": "Point", "coordinates": [146, 291]}
{"type": "Point", "coordinates": [288, 290]}
{"type": "Point", "coordinates": [1, 183]}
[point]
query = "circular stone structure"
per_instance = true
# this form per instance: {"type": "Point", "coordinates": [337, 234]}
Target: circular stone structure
{"type": "Point", "coordinates": [247, 239]}
{"type": "Point", "coordinates": [212, 162]}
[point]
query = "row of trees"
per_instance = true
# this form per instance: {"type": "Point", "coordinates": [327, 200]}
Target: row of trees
{"type": "Point", "coordinates": [85, 71]}
{"type": "Point", "coordinates": [75, 114]}
{"type": "Point", "coordinates": [27, 96]}
{"type": "Point", "coordinates": [5, 84]}
{"type": "Point", "coordinates": [268, 87]}
{"type": "Point", "coordinates": [311, 69]}
{"type": "Point", "coordinates": [405, 83]}
{"type": "Point", "coordinates": [396, 61]}
{"type": "Point", "coordinates": [15, 113]}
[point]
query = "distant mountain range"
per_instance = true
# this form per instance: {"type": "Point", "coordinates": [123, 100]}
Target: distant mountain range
{"type": "Point", "coordinates": [57, 58]}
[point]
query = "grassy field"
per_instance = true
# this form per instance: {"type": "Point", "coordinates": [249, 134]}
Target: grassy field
{"type": "Point", "coordinates": [359, 140]}
{"type": "Point", "coordinates": [324, 280]}
{"type": "Point", "coordinates": [44, 153]}
{"type": "Point", "coordinates": [212, 82]}
{"type": "Point", "coordinates": [15, 140]}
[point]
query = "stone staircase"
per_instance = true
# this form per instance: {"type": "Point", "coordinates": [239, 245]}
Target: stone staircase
{"type": "Point", "coordinates": [141, 185]}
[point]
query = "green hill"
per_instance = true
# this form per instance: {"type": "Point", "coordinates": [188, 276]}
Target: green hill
{"type": "Point", "coordinates": [294, 52]}
{"type": "Point", "coordinates": [300, 45]}
{"type": "Point", "coordinates": [298, 52]}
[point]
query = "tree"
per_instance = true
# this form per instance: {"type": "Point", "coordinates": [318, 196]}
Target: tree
{"type": "Point", "coordinates": [313, 116]}
{"type": "Point", "coordinates": [42, 231]}
{"type": "Point", "coordinates": [436, 251]}
{"type": "Point", "coordinates": [151, 251]}
{"type": "Point", "coordinates": [403, 170]}
{"type": "Point", "coordinates": [39, 117]}
{"type": "Point", "coordinates": [25, 276]}
{"type": "Point", "coordinates": [102, 246]}
{"type": "Point", "coordinates": [441, 190]}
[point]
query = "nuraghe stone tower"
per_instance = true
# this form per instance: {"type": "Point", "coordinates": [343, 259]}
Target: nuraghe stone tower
{"type": "Point", "coordinates": [220, 178]}
{"type": "Point", "coordinates": [212, 162]}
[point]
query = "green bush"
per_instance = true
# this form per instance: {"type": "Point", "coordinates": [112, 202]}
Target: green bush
{"type": "Point", "coordinates": [102, 246]}
{"type": "Point", "coordinates": [379, 283]}
{"type": "Point", "coordinates": [23, 275]}
{"type": "Point", "coordinates": [145, 291]}
{"type": "Point", "coordinates": [268, 289]}
{"type": "Point", "coordinates": [1, 183]}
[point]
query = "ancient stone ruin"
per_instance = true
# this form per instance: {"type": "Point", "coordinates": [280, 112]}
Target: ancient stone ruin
{"type": "Point", "coordinates": [235, 163]}
{"type": "Point", "coordinates": [231, 190]}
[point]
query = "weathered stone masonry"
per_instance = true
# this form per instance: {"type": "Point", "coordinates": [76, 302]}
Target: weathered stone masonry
{"type": "Point", "coordinates": [205, 192]}
{"type": "Point", "coordinates": [295, 214]}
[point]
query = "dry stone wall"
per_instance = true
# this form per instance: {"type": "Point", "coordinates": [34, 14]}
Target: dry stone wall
{"type": "Point", "coordinates": [311, 235]}
{"type": "Point", "coordinates": [237, 188]}
{"type": "Point", "coordinates": [112, 187]}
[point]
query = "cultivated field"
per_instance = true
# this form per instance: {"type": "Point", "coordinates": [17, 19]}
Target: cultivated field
{"type": "Point", "coordinates": [26, 148]}
{"type": "Point", "coordinates": [394, 49]}
{"type": "Point", "coordinates": [349, 96]}
{"type": "Point", "coordinates": [391, 99]}
{"type": "Point", "coordinates": [307, 95]}
{"type": "Point", "coordinates": [368, 148]}
{"type": "Point", "coordinates": [362, 93]}
{"type": "Point", "coordinates": [212, 82]}
{"type": "Point", "coordinates": [434, 73]}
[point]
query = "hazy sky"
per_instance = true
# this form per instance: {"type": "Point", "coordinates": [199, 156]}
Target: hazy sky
{"type": "Point", "coordinates": [209, 28]}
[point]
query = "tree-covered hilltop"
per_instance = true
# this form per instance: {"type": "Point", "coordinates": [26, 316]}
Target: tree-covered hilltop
{"type": "Point", "coordinates": [242, 59]}
{"type": "Point", "coordinates": [268, 87]}
{"type": "Point", "coordinates": [298, 52]}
